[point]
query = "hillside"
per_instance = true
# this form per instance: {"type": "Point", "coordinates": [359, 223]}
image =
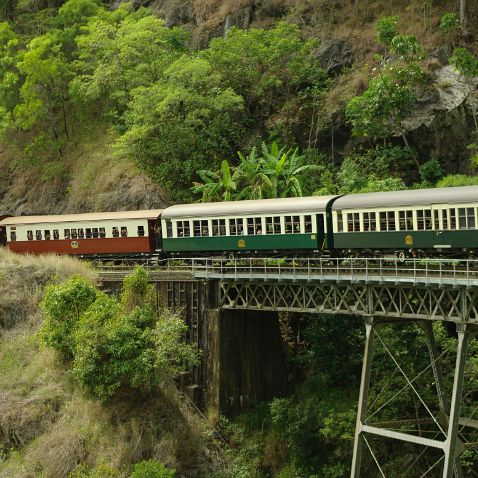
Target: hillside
{"type": "Point", "coordinates": [49, 427]}
{"type": "Point", "coordinates": [118, 136]}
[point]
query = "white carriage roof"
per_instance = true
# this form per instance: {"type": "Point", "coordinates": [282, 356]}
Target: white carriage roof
{"type": "Point", "coordinates": [241, 208]}
{"type": "Point", "coordinates": [414, 197]}
{"type": "Point", "coordinates": [86, 217]}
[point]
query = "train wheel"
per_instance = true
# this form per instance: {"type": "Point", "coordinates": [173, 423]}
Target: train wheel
{"type": "Point", "coordinates": [401, 257]}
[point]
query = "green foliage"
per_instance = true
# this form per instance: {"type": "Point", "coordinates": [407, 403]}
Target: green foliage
{"type": "Point", "coordinates": [115, 345]}
{"type": "Point", "coordinates": [137, 290]}
{"type": "Point", "coordinates": [274, 66]}
{"type": "Point", "coordinates": [465, 62]}
{"type": "Point", "coordinates": [455, 180]}
{"type": "Point", "coordinates": [182, 123]}
{"type": "Point", "coordinates": [63, 305]}
{"type": "Point", "coordinates": [450, 22]}
{"type": "Point", "coordinates": [431, 171]}
{"type": "Point", "coordinates": [407, 47]}
{"type": "Point", "coordinates": [120, 51]}
{"type": "Point", "coordinates": [318, 429]}
{"type": "Point", "coordinates": [151, 469]}
{"type": "Point", "coordinates": [386, 28]}
{"type": "Point", "coordinates": [277, 172]}
{"type": "Point", "coordinates": [379, 111]}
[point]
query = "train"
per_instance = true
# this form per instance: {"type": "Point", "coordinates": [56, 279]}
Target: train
{"type": "Point", "coordinates": [411, 223]}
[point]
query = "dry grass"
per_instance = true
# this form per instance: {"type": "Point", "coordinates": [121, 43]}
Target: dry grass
{"type": "Point", "coordinates": [47, 426]}
{"type": "Point", "coordinates": [87, 178]}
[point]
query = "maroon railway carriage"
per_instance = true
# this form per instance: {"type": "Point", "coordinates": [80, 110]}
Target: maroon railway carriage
{"type": "Point", "coordinates": [96, 234]}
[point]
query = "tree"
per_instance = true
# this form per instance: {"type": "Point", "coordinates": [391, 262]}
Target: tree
{"type": "Point", "coordinates": [449, 24]}
{"type": "Point", "coordinates": [463, 15]}
{"type": "Point", "coordinates": [10, 80]}
{"type": "Point", "coordinates": [44, 93]}
{"type": "Point", "coordinates": [115, 345]}
{"type": "Point", "coordinates": [121, 51]}
{"type": "Point", "coordinates": [63, 305]}
{"type": "Point", "coordinates": [217, 186]}
{"type": "Point", "coordinates": [182, 123]}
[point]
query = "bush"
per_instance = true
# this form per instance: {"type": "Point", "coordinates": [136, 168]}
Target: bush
{"type": "Point", "coordinates": [63, 305]}
{"type": "Point", "coordinates": [115, 344]}
{"type": "Point", "coordinates": [152, 469]}
{"type": "Point", "coordinates": [454, 180]}
{"type": "Point", "coordinates": [431, 172]}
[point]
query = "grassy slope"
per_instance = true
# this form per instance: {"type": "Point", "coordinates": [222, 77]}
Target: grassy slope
{"type": "Point", "coordinates": [87, 178]}
{"type": "Point", "coordinates": [47, 426]}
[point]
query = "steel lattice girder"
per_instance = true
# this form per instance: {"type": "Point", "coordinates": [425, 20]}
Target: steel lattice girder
{"type": "Point", "coordinates": [456, 304]}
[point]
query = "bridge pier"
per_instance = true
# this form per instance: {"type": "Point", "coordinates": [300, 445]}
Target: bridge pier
{"type": "Point", "coordinates": [448, 419]}
{"type": "Point", "coordinates": [245, 360]}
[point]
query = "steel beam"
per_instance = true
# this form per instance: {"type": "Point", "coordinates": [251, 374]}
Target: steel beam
{"type": "Point", "coordinates": [363, 397]}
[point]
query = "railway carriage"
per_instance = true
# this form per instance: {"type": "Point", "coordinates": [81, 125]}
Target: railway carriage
{"type": "Point", "coordinates": [92, 234]}
{"type": "Point", "coordinates": [423, 221]}
{"type": "Point", "coordinates": [288, 224]}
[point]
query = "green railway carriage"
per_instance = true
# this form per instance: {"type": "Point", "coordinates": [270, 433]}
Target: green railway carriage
{"type": "Point", "coordinates": [433, 221]}
{"type": "Point", "coordinates": [268, 225]}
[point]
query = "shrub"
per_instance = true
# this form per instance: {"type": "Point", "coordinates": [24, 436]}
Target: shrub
{"type": "Point", "coordinates": [431, 171]}
{"type": "Point", "coordinates": [152, 469]}
{"type": "Point", "coordinates": [63, 305]}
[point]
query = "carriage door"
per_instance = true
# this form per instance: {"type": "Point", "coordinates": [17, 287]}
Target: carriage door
{"type": "Point", "coordinates": [154, 230]}
{"type": "Point", "coordinates": [441, 226]}
{"type": "Point", "coordinates": [3, 235]}
{"type": "Point", "coordinates": [320, 231]}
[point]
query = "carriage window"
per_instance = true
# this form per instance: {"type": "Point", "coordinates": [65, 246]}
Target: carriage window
{"type": "Point", "coordinates": [88, 233]}
{"type": "Point", "coordinates": [183, 229]}
{"type": "Point", "coordinates": [169, 229]}
{"type": "Point", "coordinates": [369, 221]}
{"type": "Point", "coordinates": [292, 224]}
{"type": "Point", "coordinates": [340, 222]}
{"type": "Point", "coordinates": [462, 217]}
{"type": "Point", "coordinates": [74, 235]}
{"type": "Point", "coordinates": [115, 232]}
{"type": "Point", "coordinates": [470, 213]}
{"type": "Point", "coordinates": [218, 227]}
{"type": "Point", "coordinates": [235, 227]}
{"type": "Point", "coordinates": [47, 235]}
{"type": "Point", "coordinates": [13, 236]}
{"type": "Point", "coordinates": [453, 219]}
{"type": "Point", "coordinates": [81, 233]}
{"type": "Point", "coordinates": [436, 219]}
{"type": "Point", "coordinates": [124, 231]}
{"type": "Point", "coordinates": [273, 225]}
{"type": "Point", "coordinates": [102, 232]}
{"type": "Point", "coordinates": [140, 230]}
{"type": "Point", "coordinates": [30, 235]}
{"type": "Point", "coordinates": [444, 217]}
{"type": "Point", "coordinates": [308, 224]}
{"type": "Point", "coordinates": [66, 233]}
{"type": "Point", "coordinates": [424, 220]}
{"type": "Point", "coordinates": [387, 220]}
{"type": "Point", "coordinates": [405, 220]}
{"type": "Point", "coordinates": [56, 234]}
{"type": "Point", "coordinates": [204, 228]}
{"type": "Point", "coordinates": [38, 235]}
{"type": "Point", "coordinates": [353, 222]}
{"type": "Point", "coordinates": [254, 226]}
{"type": "Point", "coordinates": [466, 218]}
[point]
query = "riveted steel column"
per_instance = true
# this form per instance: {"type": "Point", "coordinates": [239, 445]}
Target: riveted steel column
{"type": "Point", "coordinates": [452, 451]}
{"type": "Point", "coordinates": [442, 398]}
{"type": "Point", "coordinates": [363, 397]}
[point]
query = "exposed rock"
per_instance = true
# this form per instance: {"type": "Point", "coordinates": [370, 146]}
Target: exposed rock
{"type": "Point", "coordinates": [440, 125]}
{"type": "Point", "coordinates": [334, 55]}
{"type": "Point", "coordinates": [241, 18]}
{"type": "Point", "coordinates": [175, 12]}
{"type": "Point", "coordinates": [442, 54]}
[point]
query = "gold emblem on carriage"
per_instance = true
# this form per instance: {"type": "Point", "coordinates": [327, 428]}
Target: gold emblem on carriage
{"type": "Point", "coordinates": [74, 245]}
{"type": "Point", "coordinates": [241, 243]}
{"type": "Point", "coordinates": [409, 240]}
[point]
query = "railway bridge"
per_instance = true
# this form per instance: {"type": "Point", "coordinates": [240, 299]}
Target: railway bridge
{"type": "Point", "coordinates": [231, 308]}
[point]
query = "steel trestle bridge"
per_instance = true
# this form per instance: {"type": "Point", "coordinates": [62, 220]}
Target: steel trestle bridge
{"type": "Point", "coordinates": [383, 291]}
